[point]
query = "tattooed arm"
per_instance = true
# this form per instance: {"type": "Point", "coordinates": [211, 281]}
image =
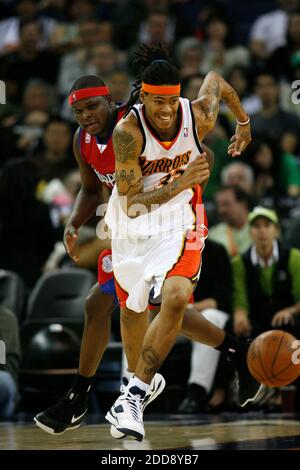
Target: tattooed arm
{"type": "Point", "coordinates": [128, 141]}
{"type": "Point", "coordinates": [206, 108]}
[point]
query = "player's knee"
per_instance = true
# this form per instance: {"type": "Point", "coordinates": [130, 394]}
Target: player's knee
{"type": "Point", "coordinates": [176, 299]}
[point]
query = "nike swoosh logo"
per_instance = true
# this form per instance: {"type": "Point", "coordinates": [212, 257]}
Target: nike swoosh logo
{"type": "Point", "coordinates": [75, 419]}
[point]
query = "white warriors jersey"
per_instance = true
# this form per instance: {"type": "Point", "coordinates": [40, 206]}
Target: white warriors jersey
{"type": "Point", "coordinates": [162, 162]}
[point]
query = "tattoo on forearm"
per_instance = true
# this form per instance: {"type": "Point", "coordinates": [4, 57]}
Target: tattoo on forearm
{"type": "Point", "coordinates": [136, 186]}
{"type": "Point", "coordinates": [158, 196]}
{"type": "Point", "coordinates": [124, 145]}
{"type": "Point", "coordinates": [152, 360]}
{"type": "Point", "coordinates": [230, 98]}
{"type": "Point", "coordinates": [124, 176]}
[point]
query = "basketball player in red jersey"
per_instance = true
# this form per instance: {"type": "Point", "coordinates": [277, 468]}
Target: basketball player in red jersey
{"type": "Point", "coordinates": [97, 115]}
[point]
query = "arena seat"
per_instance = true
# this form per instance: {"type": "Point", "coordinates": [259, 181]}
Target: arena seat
{"type": "Point", "coordinates": [60, 295]}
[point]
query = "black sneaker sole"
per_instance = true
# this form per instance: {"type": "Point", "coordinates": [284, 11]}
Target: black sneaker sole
{"type": "Point", "coordinates": [251, 399]}
{"type": "Point", "coordinates": [52, 430]}
{"type": "Point", "coordinates": [125, 431]}
{"type": "Point", "coordinates": [129, 432]}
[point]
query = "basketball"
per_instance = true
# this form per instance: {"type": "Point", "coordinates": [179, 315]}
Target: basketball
{"type": "Point", "coordinates": [274, 359]}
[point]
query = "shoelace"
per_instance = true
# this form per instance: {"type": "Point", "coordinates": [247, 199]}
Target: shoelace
{"type": "Point", "coordinates": [135, 405]}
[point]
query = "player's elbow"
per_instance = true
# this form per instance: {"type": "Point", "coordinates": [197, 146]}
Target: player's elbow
{"type": "Point", "coordinates": [213, 75]}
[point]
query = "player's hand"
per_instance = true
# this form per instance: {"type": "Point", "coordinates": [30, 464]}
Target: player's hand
{"type": "Point", "coordinates": [241, 324]}
{"type": "Point", "coordinates": [283, 317]}
{"type": "Point", "coordinates": [70, 239]}
{"type": "Point", "coordinates": [197, 172]}
{"type": "Point", "coordinates": [240, 140]}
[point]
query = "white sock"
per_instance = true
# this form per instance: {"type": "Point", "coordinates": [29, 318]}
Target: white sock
{"type": "Point", "coordinates": [135, 381]}
{"type": "Point", "coordinates": [128, 375]}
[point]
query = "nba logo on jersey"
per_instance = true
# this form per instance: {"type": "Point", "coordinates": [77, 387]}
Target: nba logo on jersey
{"type": "Point", "coordinates": [101, 147]}
{"type": "Point", "coordinates": [74, 96]}
{"type": "Point", "coordinates": [185, 132]}
{"type": "Point", "coordinates": [87, 138]}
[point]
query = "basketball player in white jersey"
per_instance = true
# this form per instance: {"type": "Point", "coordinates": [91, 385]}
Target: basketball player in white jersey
{"type": "Point", "coordinates": [157, 219]}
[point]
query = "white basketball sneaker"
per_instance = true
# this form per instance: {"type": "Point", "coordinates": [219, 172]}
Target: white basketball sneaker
{"type": "Point", "coordinates": [127, 415]}
{"type": "Point", "coordinates": [157, 385]}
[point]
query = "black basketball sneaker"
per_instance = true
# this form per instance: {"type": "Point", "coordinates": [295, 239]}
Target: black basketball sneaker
{"type": "Point", "coordinates": [66, 414]}
{"type": "Point", "coordinates": [249, 388]}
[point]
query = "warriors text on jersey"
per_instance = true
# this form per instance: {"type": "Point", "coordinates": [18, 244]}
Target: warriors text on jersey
{"type": "Point", "coordinates": [100, 155]}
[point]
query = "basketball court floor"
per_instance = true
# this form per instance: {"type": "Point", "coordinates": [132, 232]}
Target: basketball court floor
{"type": "Point", "coordinates": [175, 432]}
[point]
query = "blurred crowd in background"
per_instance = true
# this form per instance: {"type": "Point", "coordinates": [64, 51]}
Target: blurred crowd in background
{"type": "Point", "coordinates": [46, 45]}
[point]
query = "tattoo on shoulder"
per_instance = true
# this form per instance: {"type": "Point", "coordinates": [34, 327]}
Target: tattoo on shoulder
{"type": "Point", "coordinates": [124, 145]}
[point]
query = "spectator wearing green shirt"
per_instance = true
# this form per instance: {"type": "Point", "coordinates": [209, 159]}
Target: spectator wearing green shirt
{"type": "Point", "coordinates": [266, 280]}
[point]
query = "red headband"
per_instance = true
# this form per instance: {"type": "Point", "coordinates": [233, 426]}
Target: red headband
{"type": "Point", "coordinates": [161, 89]}
{"type": "Point", "coordinates": [88, 93]}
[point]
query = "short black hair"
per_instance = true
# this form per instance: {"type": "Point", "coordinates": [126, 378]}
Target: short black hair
{"type": "Point", "coordinates": [87, 81]}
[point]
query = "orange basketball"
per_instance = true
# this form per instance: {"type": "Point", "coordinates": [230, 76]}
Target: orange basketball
{"type": "Point", "coordinates": [274, 358]}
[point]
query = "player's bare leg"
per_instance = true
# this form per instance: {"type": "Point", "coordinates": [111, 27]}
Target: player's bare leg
{"type": "Point", "coordinates": [127, 413]}
{"type": "Point", "coordinates": [133, 328]}
{"type": "Point", "coordinates": [69, 411]}
{"type": "Point", "coordinates": [96, 333]}
{"type": "Point", "coordinates": [197, 328]}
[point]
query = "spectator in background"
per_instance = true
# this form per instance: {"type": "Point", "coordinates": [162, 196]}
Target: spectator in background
{"type": "Point", "coordinates": [159, 27]}
{"type": "Point", "coordinates": [213, 299]}
{"type": "Point", "coordinates": [55, 159]}
{"type": "Point", "coordinates": [240, 175]}
{"type": "Point", "coordinates": [266, 280]}
{"type": "Point", "coordinates": [126, 18]}
{"type": "Point", "coordinates": [18, 68]}
{"type": "Point", "coordinates": [119, 85]}
{"type": "Point", "coordinates": [271, 121]}
{"type": "Point", "coordinates": [269, 30]}
{"type": "Point", "coordinates": [233, 231]}
{"type": "Point", "coordinates": [191, 85]}
{"type": "Point", "coordinates": [220, 54]}
{"type": "Point", "coordinates": [104, 59]}
{"type": "Point", "coordinates": [67, 35]}
{"type": "Point", "coordinates": [26, 232]}
{"type": "Point", "coordinates": [9, 368]}
{"type": "Point", "coordinates": [21, 132]}
{"type": "Point", "coordinates": [281, 60]}
{"type": "Point", "coordinates": [10, 27]}
{"type": "Point", "coordinates": [276, 173]}
{"type": "Point", "coordinates": [239, 78]}
{"type": "Point", "coordinates": [189, 56]}
{"type": "Point", "coordinates": [291, 234]}
{"type": "Point", "coordinates": [77, 63]}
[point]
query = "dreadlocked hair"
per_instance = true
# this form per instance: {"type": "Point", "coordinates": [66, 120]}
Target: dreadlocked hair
{"type": "Point", "coordinates": [154, 67]}
{"type": "Point", "coordinates": [87, 81]}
